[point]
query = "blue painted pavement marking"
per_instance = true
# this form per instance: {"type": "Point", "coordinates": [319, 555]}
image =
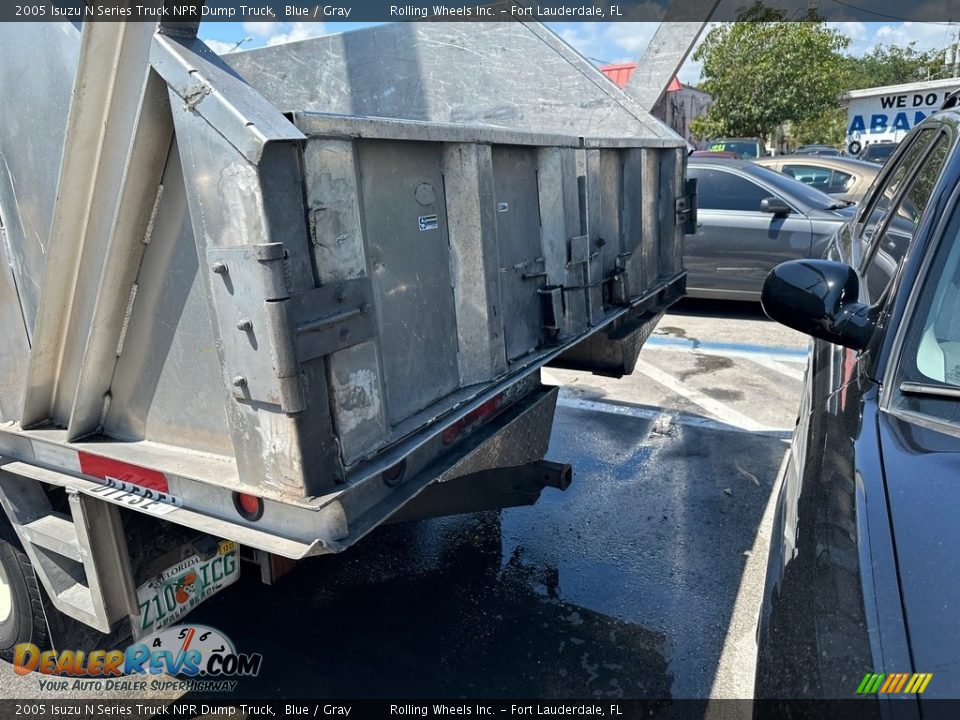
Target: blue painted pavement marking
{"type": "Point", "coordinates": [660, 341]}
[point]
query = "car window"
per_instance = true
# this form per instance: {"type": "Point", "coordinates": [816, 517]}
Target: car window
{"type": "Point", "coordinates": [841, 182]}
{"type": "Point", "coordinates": [823, 179]}
{"type": "Point", "coordinates": [883, 196]}
{"type": "Point", "coordinates": [890, 246]}
{"type": "Point", "coordinates": [818, 177]}
{"type": "Point", "coordinates": [931, 350]}
{"type": "Point", "coordinates": [722, 190]}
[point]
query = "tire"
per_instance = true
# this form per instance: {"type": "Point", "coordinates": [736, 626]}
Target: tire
{"type": "Point", "coordinates": [21, 608]}
{"type": "Point", "coordinates": [854, 147]}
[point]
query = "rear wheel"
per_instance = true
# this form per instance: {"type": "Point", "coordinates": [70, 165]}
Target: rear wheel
{"type": "Point", "coordinates": [21, 608]}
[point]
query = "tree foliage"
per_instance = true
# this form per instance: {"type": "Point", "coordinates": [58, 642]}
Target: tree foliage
{"type": "Point", "coordinates": [892, 65]}
{"type": "Point", "coordinates": [828, 128]}
{"type": "Point", "coordinates": [763, 72]}
{"type": "Point", "coordinates": [883, 65]}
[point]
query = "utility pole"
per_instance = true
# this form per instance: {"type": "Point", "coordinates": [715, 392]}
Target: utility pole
{"type": "Point", "coordinates": [956, 54]}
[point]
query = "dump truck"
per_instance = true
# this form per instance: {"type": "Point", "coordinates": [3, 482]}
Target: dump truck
{"type": "Point", "coordinates": [253, 307]}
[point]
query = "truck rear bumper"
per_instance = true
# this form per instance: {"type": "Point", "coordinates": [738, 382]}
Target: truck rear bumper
{"type": "Point", "coordinates": [517, 436]}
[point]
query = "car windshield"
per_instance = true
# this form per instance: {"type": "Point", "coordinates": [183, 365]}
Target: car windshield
{"type": "Point", "coordinates": [743, 148]}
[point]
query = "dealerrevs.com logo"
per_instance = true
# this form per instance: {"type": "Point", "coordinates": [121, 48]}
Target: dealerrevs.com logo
{"type": "Point", "coordinates": [203, 657]}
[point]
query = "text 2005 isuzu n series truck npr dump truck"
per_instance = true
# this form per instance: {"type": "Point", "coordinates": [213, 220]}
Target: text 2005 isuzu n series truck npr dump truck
{"type": "Point", "coordinates": [252, 312]}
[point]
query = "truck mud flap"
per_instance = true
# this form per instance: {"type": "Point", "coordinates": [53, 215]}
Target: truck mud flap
{"type": "Point", "coordinates": [487, 490]}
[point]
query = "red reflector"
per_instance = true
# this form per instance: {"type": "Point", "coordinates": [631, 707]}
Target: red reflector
{"type": "Point", "coordinates": [101, 467]}
{"type": "Point", "coordinates": [249, 503]}
{"type": "Point", "coordinates": [485, 411]}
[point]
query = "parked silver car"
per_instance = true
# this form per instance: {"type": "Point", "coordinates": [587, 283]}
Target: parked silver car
{"type": "Point", "coordinates": [749, 220]}
{"type": "Point", "coordinates": [845, 178]}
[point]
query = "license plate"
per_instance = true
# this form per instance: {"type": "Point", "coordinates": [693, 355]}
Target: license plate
{"type": "Point", "coordinates": [166, 598]}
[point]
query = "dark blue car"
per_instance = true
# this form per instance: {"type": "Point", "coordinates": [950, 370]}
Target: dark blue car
{"type": "Point", "coordinates": [863, 576]}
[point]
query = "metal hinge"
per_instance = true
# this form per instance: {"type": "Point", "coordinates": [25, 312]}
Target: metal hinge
{"type": "Point", "coordinates": [251, 300]}
{"type": "Point", "coordinates": [686, 207]}
{"type": "Point", "coordinates": [257, 313]}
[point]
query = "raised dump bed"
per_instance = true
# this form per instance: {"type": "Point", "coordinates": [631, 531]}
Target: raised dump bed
{"type": "Point", "coordinates": [279, 324]}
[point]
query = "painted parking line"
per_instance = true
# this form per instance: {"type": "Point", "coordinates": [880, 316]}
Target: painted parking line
{"type": "Point", "coordinates": [785, 361]}
{"type": "Point", "coordinates": [734, 677]}
{"type": "Point", "coordinates": [790, 368]}
{"type": "Point", "coordinates": [662, 416]}
{"type": "Point", "coordinates": [720, 411]}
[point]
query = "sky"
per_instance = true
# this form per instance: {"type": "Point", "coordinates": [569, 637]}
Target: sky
{"type": "Point", "coordinates": [600, 42]}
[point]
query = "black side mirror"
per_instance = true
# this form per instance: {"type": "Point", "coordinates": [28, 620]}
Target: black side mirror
{"type": "Point", "coordinates": [775, 206]}
{"type": "Point", "coordinates": [819, 298]}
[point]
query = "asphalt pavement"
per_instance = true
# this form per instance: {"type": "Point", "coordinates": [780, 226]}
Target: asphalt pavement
{"type": "Point", "coordinates": [643, 579]}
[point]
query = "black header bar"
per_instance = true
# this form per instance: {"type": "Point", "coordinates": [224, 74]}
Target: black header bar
{"type": "Point", "coordinates": [460, 10]}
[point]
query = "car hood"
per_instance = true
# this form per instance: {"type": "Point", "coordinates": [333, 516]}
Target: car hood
{"type": "Point", "coordinates": [922, 472]}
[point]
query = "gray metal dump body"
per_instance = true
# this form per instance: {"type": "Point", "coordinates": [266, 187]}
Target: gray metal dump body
{"type": "Point", "coordinates": [289, 305]}
{"type": "Point", "coordinates": [515, 75]}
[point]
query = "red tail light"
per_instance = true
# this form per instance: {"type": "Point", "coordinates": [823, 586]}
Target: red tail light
{"type": "Point", "coordinates": [250, 507]}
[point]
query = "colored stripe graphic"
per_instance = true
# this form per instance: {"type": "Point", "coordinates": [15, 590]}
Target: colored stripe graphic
{"type": "Point", "coordinates": [864, 684]}
{"type": "Point", "coordinates": [894, 683]}
{"type": "Point", "coordinates": [892, 680]}
{"type": "Point", "coordinates": [918, 683]}
{"type": "Point", "coordinates": [903, 680]}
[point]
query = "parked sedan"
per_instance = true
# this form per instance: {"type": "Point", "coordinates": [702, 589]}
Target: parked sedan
{"type": "Point", "coordinates": [749, 219]}
{"type": "Point", "coordinates": [844, 178]}
{"type": "Point", "coordinates": [862, 592]}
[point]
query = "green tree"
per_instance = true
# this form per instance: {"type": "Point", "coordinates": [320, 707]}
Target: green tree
{"type": "Point", "coordinates": [763, 72]}
{"type": "Point", "coordinates": [892, 65]}
{"type": "Point", "coordinates": [828, 128]}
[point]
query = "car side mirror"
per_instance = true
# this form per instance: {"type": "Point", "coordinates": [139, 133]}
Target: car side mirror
{"type": "Point", "coordinates": [819, 298]}
{"type": "Point", "coordinates": [775, 206]}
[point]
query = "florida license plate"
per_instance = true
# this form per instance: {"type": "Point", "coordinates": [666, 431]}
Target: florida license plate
{"type": "Point", "coordinates": [166, 598]}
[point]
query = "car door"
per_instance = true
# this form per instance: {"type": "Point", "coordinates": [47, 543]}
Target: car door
{"type": "Point", "coordinates": [737, 244]}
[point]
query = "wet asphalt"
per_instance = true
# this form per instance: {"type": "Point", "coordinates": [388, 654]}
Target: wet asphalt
{"type": "Point", "coordinates": [642, 580]}
{"type": "Point", "coordinates": [623, 586]}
